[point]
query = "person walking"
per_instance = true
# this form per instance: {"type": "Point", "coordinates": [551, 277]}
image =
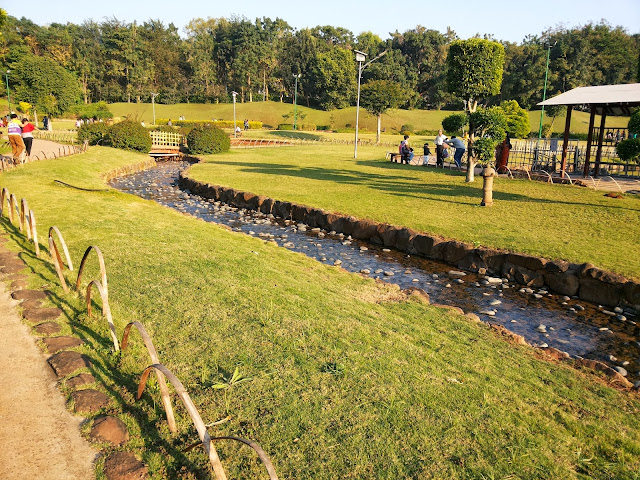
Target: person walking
{"type": "Point", "coordinates": [439, 141]}
{"type": "Point", "coordinates": [27, 135]}
{"type": "Point", "coordinates": [14, 132]}
{"type": "Point", "coordinates": [458, 144]}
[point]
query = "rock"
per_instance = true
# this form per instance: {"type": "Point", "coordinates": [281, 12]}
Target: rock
{"type": "Point", "coordinates": [621, 370]}
{"type": "Point", "coordinates": [491, 313]}
{"type": "Point", "coordinates": [89, 401]}
{"type": "Point", "coordinates": [124, 466]}
{"type": "Point", "coordinates": [494, 302]}
{"type": "Point", "coordinates": [29, 295]}
{"type": "Point", "coordinates": [510, 336]}
{"type": "Point", "coordinates": [109, 429]}
{"type": "Point", "coordinates": [47, 328]}
{"type": "Point", "coordinates": [56, 344]}
{"type": "Point", "coordinates": [541, 328]}
{"type": "Point", "coordinates": [388, 273]}
{"type": "Point", "coordinates": [67, 362]}
{"type": "Point", "coordinates": [79, 380]}
{"type": "Point", "coordinates": [38, 315]}
{"type": "Point", "coordinates": [493, 280]}
{"type": "Point", "coordinates": [456, 273]}
{"type": "Point", "coordinates": [366, 271]}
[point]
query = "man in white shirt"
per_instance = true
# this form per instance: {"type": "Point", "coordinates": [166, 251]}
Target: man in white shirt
{"type": "Point", "coordinates": [439, 141]}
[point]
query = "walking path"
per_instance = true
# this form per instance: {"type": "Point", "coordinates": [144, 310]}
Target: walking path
{"type": "Point", "coordinates": [39, 437]}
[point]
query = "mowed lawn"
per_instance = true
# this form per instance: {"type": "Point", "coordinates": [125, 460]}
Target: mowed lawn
{"type": "Point", "coordinates": [347, 378]}
{"type": "Point", "coordinates": [554, 221]}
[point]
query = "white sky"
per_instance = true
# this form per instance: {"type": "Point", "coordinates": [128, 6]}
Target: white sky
{"type": "Point", "coordinates": [506, 20]}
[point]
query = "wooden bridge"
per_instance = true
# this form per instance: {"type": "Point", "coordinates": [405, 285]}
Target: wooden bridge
{"type": "Point", "coordinates": [166, 144]}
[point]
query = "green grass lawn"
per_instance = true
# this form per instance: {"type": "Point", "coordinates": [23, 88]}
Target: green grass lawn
{"type": "Point", "coordinates": [348, 378]}
{"type": "Point", "coordinates": [554, 221]}
{"type": "Point", "coordinates": [270, 113]}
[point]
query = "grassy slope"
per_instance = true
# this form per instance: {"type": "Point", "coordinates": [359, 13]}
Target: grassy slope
{"type": "Point", "coordinates": [424, 393]}
{"type": "Point", "coordinates": [271, 113]}
{"type": "Point", "coordinates": [572, 223]}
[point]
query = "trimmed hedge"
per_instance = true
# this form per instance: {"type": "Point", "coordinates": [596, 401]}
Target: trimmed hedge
{"type": "Point", "coordinates": [285, 126]}
{"type": "Point", "coordinates": [215, 123]}
{"type": "Point", "coordinates": [629, 149]}
{"type": "Point", "coordinates": [128, 135]}
{"type": "Point", "coordinates": [93, 133]}
{"type": "Point", "coordinates": [207, 139]}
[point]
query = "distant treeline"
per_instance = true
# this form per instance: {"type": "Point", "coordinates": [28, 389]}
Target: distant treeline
{"type": "Point", "coordinates": [115, 61]}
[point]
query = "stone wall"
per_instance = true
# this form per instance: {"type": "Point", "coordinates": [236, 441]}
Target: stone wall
{"type": "Point", "coordinates": [129, 169]}
{"type": "Point", "coordinates": [582, 280]}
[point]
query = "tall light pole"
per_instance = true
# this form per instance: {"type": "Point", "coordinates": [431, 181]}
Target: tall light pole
{"type": "Point", "coordinates": [235, 133]}
{"type": "Point", "coordinates": [544, 91]}
{"type": "Point", "coordinates": [295, 102]}
{"type": "Point", "coordinates": [361, 57]}
{"type": "Point", "coordinates": [6, 76]}
{"type": "Point", "coordinates": [153, 104]}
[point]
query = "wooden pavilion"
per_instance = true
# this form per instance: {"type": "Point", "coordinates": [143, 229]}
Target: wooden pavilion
{"type": "Point", "coordinates": [602, 100]}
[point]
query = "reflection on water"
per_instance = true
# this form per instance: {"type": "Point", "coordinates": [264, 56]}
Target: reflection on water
{"type": "Point", "coordinates": [544, 319]}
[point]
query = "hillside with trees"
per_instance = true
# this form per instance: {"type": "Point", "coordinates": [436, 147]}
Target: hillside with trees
{"type": "Point", "coordinates": [115, 61]}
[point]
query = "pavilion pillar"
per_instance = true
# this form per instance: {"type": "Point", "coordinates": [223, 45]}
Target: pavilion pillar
{"type": "Point", "coordinates": [592, 119]}
{"type": "Point", "coordinates": [600, 140]}
{"type": "Point", "coordinates": [565, 143]}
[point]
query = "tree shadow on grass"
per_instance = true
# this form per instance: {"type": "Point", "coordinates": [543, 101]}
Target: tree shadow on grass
{"type": "Point", "coordinates": [294, 134]}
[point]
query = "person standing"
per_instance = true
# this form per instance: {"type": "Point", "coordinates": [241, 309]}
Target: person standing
{"type": "Point", "coordinates": [14, 132]}
{"type": "Point", "coordinates": [458, 144]}
{"type": "Point", "coordinates": [441, 138]}
{"type": "Point", "coordinates": [27, 134]}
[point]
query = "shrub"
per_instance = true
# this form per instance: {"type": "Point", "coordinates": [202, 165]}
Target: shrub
{"type": "Point", "coordinates": [285, 126]}
{"type": "Point", "coordinates": [484, 150]}
{"type": "Point", "coordinates": [454, 122]}
{"type": "Point", "coordinates": [92, 110]}
{"type": "Point", "coordinates": [517, 119]}
{"type": "Point", "coordinates": [407, 129]}
{"type": "Point", "coordinates": [253, 125]}
{"type": "Point", "coordinates": [207, 139]}
{"type": "Point", "coordinates": [128, 135]}
{"type": "Point", "coordinates": [308, 127]}
{"type": "Point", "coordinates": [629, 149]}
{"type": "Point", "coordinates": [634, 123]}
{"type": "Point", "coordinates": [546, 130]}
{"type": "Point", "coordinates": [323, 127]}
{"type": "Point", "coordinates": [93, 133]}
{"type": "Point", "coordinates": [163, 128]}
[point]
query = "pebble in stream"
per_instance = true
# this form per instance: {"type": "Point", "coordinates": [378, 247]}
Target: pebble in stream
{"type": "Point", "coordinates": [577, 328]}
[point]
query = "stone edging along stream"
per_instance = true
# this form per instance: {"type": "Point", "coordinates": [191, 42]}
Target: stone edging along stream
{"type": "Point", "coordinates": [582, 280]}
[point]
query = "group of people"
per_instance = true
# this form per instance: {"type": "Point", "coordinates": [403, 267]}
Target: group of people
{"type": "Point", "coordinates": [442, 143]}
{"type": "Point", "coordinates": [20, 134]}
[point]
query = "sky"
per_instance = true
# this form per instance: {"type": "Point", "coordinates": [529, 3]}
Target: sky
{"type": "Point", "coordinates": [505, 20]}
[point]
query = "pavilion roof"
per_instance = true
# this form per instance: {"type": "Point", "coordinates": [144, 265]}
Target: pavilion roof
{"type": "Point", "coordinates": [614, 99]}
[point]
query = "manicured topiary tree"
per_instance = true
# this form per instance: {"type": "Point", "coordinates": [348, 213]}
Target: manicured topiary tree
{"type": "Point", "coordinates": [207, 140]}
{"type": "Point", "coordinates": [92, 133]}
{"type": "Point", "coordinates": [454, 122]}
{"type": "Point", "coordinates": [517, 119]}
{"type": "Point", "coordinates": [629, 149]}
{"type": "Point", "coordinates": [474, 71]}
{"type": "Point", "coordinates": [128, 135]}
{"type": "Point", "coordinates": [634, 123]}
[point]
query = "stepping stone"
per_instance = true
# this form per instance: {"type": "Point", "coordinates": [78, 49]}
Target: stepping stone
{"type": "Point", "coordinates": [47, 328]}
{"type": "Point", "coordinates": [124, 466]}
{"type": "Point", "coordinates": [64, 363]}
{"type": "Point", "coordinates": [56, 344]}
{"type": "Point", "coordinates": [13, 268]}
{"type": "Point", "coordinates": [29, 295]}
{"type": "Point", "coordinates": [38, 315]}
{"type": "Point", "coordinates": [109, 429]}
{"type": "Point", "coordinates": [31, 304]}
{"type": "Point", "coordinates": [89, 401]}
{"type": "Point", "coordinates": [19, 284]}
{"type": "Point", "coordinates": [79, 380]}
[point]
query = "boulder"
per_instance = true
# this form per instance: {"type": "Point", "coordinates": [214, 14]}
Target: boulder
{"type": "Point", "coordinates": [564, 283]}
{"type": "Point", "coordinates": [364, 230]}
{"type": "Point", "coordinates": [527, 261]}
{"type": "Point", "coordinates": [387, 234]}
{"type": "Point", "coordinates": [404, 237]}
{"type": "Point", "coordinates": [423, 245]}
{"type": "Point", "coordinates": [597, 291]}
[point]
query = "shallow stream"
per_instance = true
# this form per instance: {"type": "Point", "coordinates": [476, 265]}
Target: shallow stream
{"type": "Point", "coordinates": [543, 318]}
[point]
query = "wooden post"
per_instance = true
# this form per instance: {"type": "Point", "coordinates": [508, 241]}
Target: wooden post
{"type": "Point", "coordinates": [592, 119]}
{"type": "Point", "coordinates": [600, 140]}
{"type": "Point", "coordinates": [565, 143]}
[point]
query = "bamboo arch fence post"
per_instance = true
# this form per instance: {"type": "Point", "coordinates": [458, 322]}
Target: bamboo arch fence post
{"type": "Point", "coordinates": [103, 270]}
{"type": "Point", "coordinates": [24, 217]}
{"type": "Point", "coordinates": [193, 413]}
{"type": "Point", "coordinates": [57, 259]}
{"type": "Point", "coordinates": [164, 391]}
{"type": "Point", "coordinates": [4, 197]}
{"type": "Point", "coordinates": [34, 232]}
{"type": "Point", "coordinates": [13, 207]}
{"type": "Point", "coordinates": [106, 310]}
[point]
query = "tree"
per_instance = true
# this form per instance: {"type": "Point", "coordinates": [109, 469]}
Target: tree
{"type": "Point", "coordinates": [474, 70]}
{"type": "Point", "coordinates": [45, 85]}
{"type": "Point", "coordinates": [634, 123]}
{"type": "Point", "coordinates": [378, 96]}
{"type": "Point", "coordinates": [333, 77]}
{"type": "Point", "coordinates": [517, 119]}
{"type": "Point", "coordinates": [454, 122]}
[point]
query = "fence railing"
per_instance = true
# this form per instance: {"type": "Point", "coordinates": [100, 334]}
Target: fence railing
{"type": "Point", "coordinates": [59, 136]}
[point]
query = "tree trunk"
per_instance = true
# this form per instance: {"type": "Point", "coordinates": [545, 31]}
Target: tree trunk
{"type": "Point", "coordinates": [471, 164]}
{"type": "Point", "coordinates": [378, 131]}
{"type": "Point", "coordinates": [250, 89]}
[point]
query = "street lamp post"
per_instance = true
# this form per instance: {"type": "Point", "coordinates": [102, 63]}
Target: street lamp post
{"type": "Point", "coordinates": [544, 92]}
{"type": "Point", "coordinates": [235, 133]}
{"type": "Point", "coordinates": [153, 104]}
{"type": "Point", "coordinates": [295, 103]}
{"type": "Point", "coordinates": [6, 76]}
{"type": "Point", "coordinates": [361, 57]}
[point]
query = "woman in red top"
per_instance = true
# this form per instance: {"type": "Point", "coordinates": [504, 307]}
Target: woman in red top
{"type": "Point", "coordinates": [27, 135]}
